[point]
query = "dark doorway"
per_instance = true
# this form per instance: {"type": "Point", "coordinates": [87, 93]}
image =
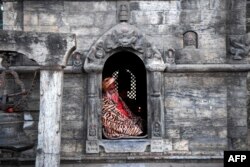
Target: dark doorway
{"type": "Point", "coordinates": [130, 74]}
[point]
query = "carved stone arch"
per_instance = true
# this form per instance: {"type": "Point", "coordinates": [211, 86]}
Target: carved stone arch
{"type": "Point", "coordinates": [124, 37]}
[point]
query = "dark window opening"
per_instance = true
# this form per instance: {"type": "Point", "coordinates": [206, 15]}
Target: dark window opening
{"type": "Point", "coordinates": [130, 74]}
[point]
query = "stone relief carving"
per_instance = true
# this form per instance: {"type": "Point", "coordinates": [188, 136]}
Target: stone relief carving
{"type": "Point", "coordinates": [123, 13]}
{"type": "Point", "coordinates": [92, 146]}
{"type": "Point", "coordinates": [170, 56]}
{"type": "Point", "coordinates": [7, 59]}
{"type": "Point", "coordinates": [92, 130]}
{"type": "Point", "coordinates": [157, 129]}
{"type": "Point", "coordinates": [77, 60]}
{"type": "Point", "coordinates": [124, 36]}
{"type": "Point", "coordinates": [239, 48]}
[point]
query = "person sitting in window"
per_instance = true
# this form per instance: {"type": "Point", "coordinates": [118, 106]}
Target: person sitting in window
{"type": "Point", "coordinates": [118, 121]}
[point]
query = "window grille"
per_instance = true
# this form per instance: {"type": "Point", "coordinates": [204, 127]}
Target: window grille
{"type": "Point", "coordinates": [132, 92]}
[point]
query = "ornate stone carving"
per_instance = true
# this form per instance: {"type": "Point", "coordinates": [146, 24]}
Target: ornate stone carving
{"type": "Point", "coordinates": [7, 59]}
{"type": "Point", "coordinates": [157, 129]}
{"type": "Point", "coordinates": [77, 60]}
{"type": "Point", "coordinates": [190, 39]}
{"type": "Point", "coordinates": [170, 56]}
{"type": "Point", "coordinates": [157, 145]}
{"type": "Point", "coordinates": [239, 48]}
{"type": "Point", "coordinates": [92, 130]}
{"type": "Point", "coordinates": [123, 36]}
{"type": "Point", "coordinates": [123, 13]}
{"type": "Point", "coordinates": [92, 146]}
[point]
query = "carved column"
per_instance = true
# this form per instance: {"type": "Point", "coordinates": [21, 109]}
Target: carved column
{"type": "Point", "coordinates": [156, 104]}
{"type": "Point", "coordinates": [93, 110]}
{"type": "Point", "coordinates": [49, 127]}
{"type": "Point", "coordinates": [156, 109]}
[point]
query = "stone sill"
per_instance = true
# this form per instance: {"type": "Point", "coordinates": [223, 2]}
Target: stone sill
{"type": "Point", "coordinates": [169, 68]}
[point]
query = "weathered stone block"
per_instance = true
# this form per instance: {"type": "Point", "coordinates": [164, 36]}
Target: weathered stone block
{"type": "Point", "coordinates": [213, 18]}
{"type": "Point", "coordinates": [89, 6]}
{"type": "Point", "coordinates": [147, 17]}
{"type": "Point", "coordinates": [47, 19]}
{"type": "Point", "coordinates": [222, 133]}
{"type": "Point", "coordinates": [214, 4]}
{"type": "Point", "coordinates": [105, 20]}
{"type": "Point", "coordinates": [238, 132]}
{"type": "Point", "coordinates": [219, 122]}
{"type": "Point", "coordinates": [191, 4]}
{"type": "Point", "coordinates": [235, 112]}
{"type": "Point", "coordinates": [74, 81]}
{"type": "Point", "coordinates": [180, 145]}
{"type": "Point", "coordinates": [219, 113]}
{"type": "Point", "coordinates": [155, 5]}
{"type": "Point", "coordinates": [68, 146]}
{"type": "Point", "coordinates": [236, 4]}
{"type": "Point", "coordinates": [190, 16]}
{"type": "Point", "coordinates": [84, 42]}
{"type": "Point", "coordinates": [238, 122]}
{"type": "Point", "coordinates": [85, 19]}
{"type": "Point", "coordinates": [43, 6]}
{"type": "Point", "coordinates": [236, 29]}
{"type": "Point", "coordinates": [167, 145]}
{"type": "Point", "coordinates": [207, 144]}
{"type": "Point", "coordinates": [173, 132]}
{"type": "Point", "coordinates": [239, 144]}
{"type": "Point", "coordinates": [172, 17]}
{"type": "Point", "coordinates": [237, 17]}
{"type": "Point", "coordinates": [91, 31]}
{"type": "Point", "coordinates": [238, 102]}
{"type": "Point", "coordinates": [9, 18]}
{"type": "Point", "coordinates": [212, 41]}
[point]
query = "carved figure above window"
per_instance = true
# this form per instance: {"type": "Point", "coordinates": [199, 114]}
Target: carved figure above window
{"type": "Point", "coordinates": [77, 60]}
{"type": "Point", "coordinates": [190, 39]}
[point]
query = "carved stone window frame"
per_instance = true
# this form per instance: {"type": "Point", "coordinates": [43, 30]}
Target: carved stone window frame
{"type": "Point", "coordinates": [124, 37]}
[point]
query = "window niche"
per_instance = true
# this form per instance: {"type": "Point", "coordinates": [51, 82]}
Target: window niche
{"type": "Point", "coordinates": [190, 39]}
{"type": "Point", "coordinates": [125, 48]}
{"type": "Point", "coordinates": [130, 74]}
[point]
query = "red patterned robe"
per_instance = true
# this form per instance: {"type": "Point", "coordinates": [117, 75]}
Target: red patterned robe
{"type": "Point", "coordinates": [118, 121]}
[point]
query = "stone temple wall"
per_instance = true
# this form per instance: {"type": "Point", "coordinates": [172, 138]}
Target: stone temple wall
{"type": "Point", "coordinates": [203, 111]}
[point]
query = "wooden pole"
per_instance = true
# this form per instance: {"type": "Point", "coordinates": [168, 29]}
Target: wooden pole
{"type": "Point", "coordinates": [49, 127]}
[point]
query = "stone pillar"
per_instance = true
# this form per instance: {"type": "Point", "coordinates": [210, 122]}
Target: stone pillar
{"type": "Point", "coordinates": [156, 103]}
{"type": "Point", "coordinates": [49, 127]}
{"type": "Point", "coordinates": [94, 111]}
{"type": "Point", "coordinates": [157, 109]}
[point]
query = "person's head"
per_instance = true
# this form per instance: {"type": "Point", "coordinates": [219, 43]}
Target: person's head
{"type": "Point", "coordinates": [108, 84]}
